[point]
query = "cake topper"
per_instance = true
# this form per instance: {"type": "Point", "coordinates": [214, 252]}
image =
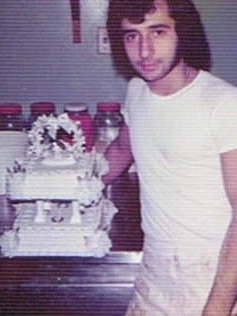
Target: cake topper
{"type": "Point", "coordinates": [55, 138]}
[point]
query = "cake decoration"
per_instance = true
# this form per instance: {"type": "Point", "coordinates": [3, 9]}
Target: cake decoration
{"type": "Point", "coordinates": [56, 138]}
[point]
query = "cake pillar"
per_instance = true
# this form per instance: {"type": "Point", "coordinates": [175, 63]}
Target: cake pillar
{"type": "Point", "coordinates": [76, 216]}
{"type": "Point", "coordinates": [40, 216]}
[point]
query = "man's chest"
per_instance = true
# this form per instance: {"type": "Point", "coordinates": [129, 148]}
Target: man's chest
{"type": "Point", "coordinates": [182, 133]}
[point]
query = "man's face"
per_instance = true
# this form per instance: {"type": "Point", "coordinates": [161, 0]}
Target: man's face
{"type": "Point", "coordinates": [151, 46]}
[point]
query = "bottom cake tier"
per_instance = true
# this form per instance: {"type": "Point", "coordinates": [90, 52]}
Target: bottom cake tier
{"type": "Point", "coordinates": [56, 234]}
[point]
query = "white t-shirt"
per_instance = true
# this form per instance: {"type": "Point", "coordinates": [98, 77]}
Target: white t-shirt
{"type": "Point", "coordinates": [176, 142]}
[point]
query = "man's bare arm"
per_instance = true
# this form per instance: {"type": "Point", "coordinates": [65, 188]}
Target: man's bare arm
{"type": "Point", "coordinates": [119, 156]}
{"type": "Point", "coordinates": [224, 291]}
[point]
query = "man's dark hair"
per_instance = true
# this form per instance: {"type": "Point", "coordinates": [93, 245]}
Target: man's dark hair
{"type": "Point", "coordinates": [193, 46]}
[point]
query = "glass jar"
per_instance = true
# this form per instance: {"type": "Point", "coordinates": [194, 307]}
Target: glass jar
{"type": "Point", "coordinates": [11, 118]}
{"type": "Point", "coordinates": [108, 121]}
{"type": "Point", "coordinates": [13, 139]}
{"type": "Point", "coordinates": [39, 108]}
{"type": "Point", "coordinates": [79, 113]}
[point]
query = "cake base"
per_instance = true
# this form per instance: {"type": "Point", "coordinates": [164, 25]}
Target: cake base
{"type": "Point", "coordinates": [57, 235]}
{"type": "Point", "coordinates": [97, 244]}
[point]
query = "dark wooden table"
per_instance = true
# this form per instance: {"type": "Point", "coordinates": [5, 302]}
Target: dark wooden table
{"type": "Point", "coordinates": [74, 285]}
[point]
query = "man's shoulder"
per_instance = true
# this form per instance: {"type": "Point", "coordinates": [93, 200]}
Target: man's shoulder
{"type": "Point", "coordinates": [136, 82]}
{"type": "Point", "coordinates": [135, 89]}
{"type": "Point", "coordinates": [218, 84]}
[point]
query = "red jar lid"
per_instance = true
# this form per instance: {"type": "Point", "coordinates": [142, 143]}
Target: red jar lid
{"type": "Point", "coordinates": [75, 107]}
{"type": "Point", "coordinates": [108, 107]}
{"type": "Point", "coordinates": [10, 109]}
{"type": "Point", "coordinates": [42, 107]}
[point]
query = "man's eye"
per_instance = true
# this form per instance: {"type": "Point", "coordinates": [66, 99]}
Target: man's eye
{"type": "Point", "coordinates": [129, 37]}
{"type": "Point", "coordinates": [159, 32]}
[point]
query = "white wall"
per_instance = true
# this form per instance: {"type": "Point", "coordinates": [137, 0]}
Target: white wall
{"type": "Point", "coordinates": [38, 60]}
{"type": "Point", "coordinates": [219, 17]}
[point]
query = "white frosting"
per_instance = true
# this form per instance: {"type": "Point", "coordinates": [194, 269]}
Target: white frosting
{"type": "Point", "coordinates": [67, 161]}
{"type": "Point", "coordinates": [81, 180]}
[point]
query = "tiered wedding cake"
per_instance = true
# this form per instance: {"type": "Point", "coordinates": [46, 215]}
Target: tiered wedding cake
{"type": "Point", "coordinates": [58, 195]}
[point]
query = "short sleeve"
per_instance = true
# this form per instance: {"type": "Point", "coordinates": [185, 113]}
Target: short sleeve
{"type": "Point", "coordinates": [125, 110]}
{"type": "Point", "coordinates": [224, 124]}
{"type": "Point", "coordinates": [125, 114]}
{"type": "Point", "coordinates": [133, 91]}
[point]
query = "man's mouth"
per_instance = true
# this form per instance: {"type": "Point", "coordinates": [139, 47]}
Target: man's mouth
{"type": "Point", "coordinates": [148, 66]}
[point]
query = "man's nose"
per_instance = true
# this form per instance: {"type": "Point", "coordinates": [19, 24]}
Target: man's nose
{"type": "Point", "coordinates": [146, 47]}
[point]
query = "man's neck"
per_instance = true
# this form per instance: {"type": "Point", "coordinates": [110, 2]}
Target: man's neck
{"type": "Point", "coordinates": [181, 76]}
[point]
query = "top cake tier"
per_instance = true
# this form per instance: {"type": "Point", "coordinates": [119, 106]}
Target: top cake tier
{"type": "Point", "coordinates": [57, 166]}
{"type": "Point", "coordinates": [79, 181]}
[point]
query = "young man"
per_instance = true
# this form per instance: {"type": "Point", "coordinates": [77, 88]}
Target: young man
{"type": "Point", "coordinates": [182, 134]}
